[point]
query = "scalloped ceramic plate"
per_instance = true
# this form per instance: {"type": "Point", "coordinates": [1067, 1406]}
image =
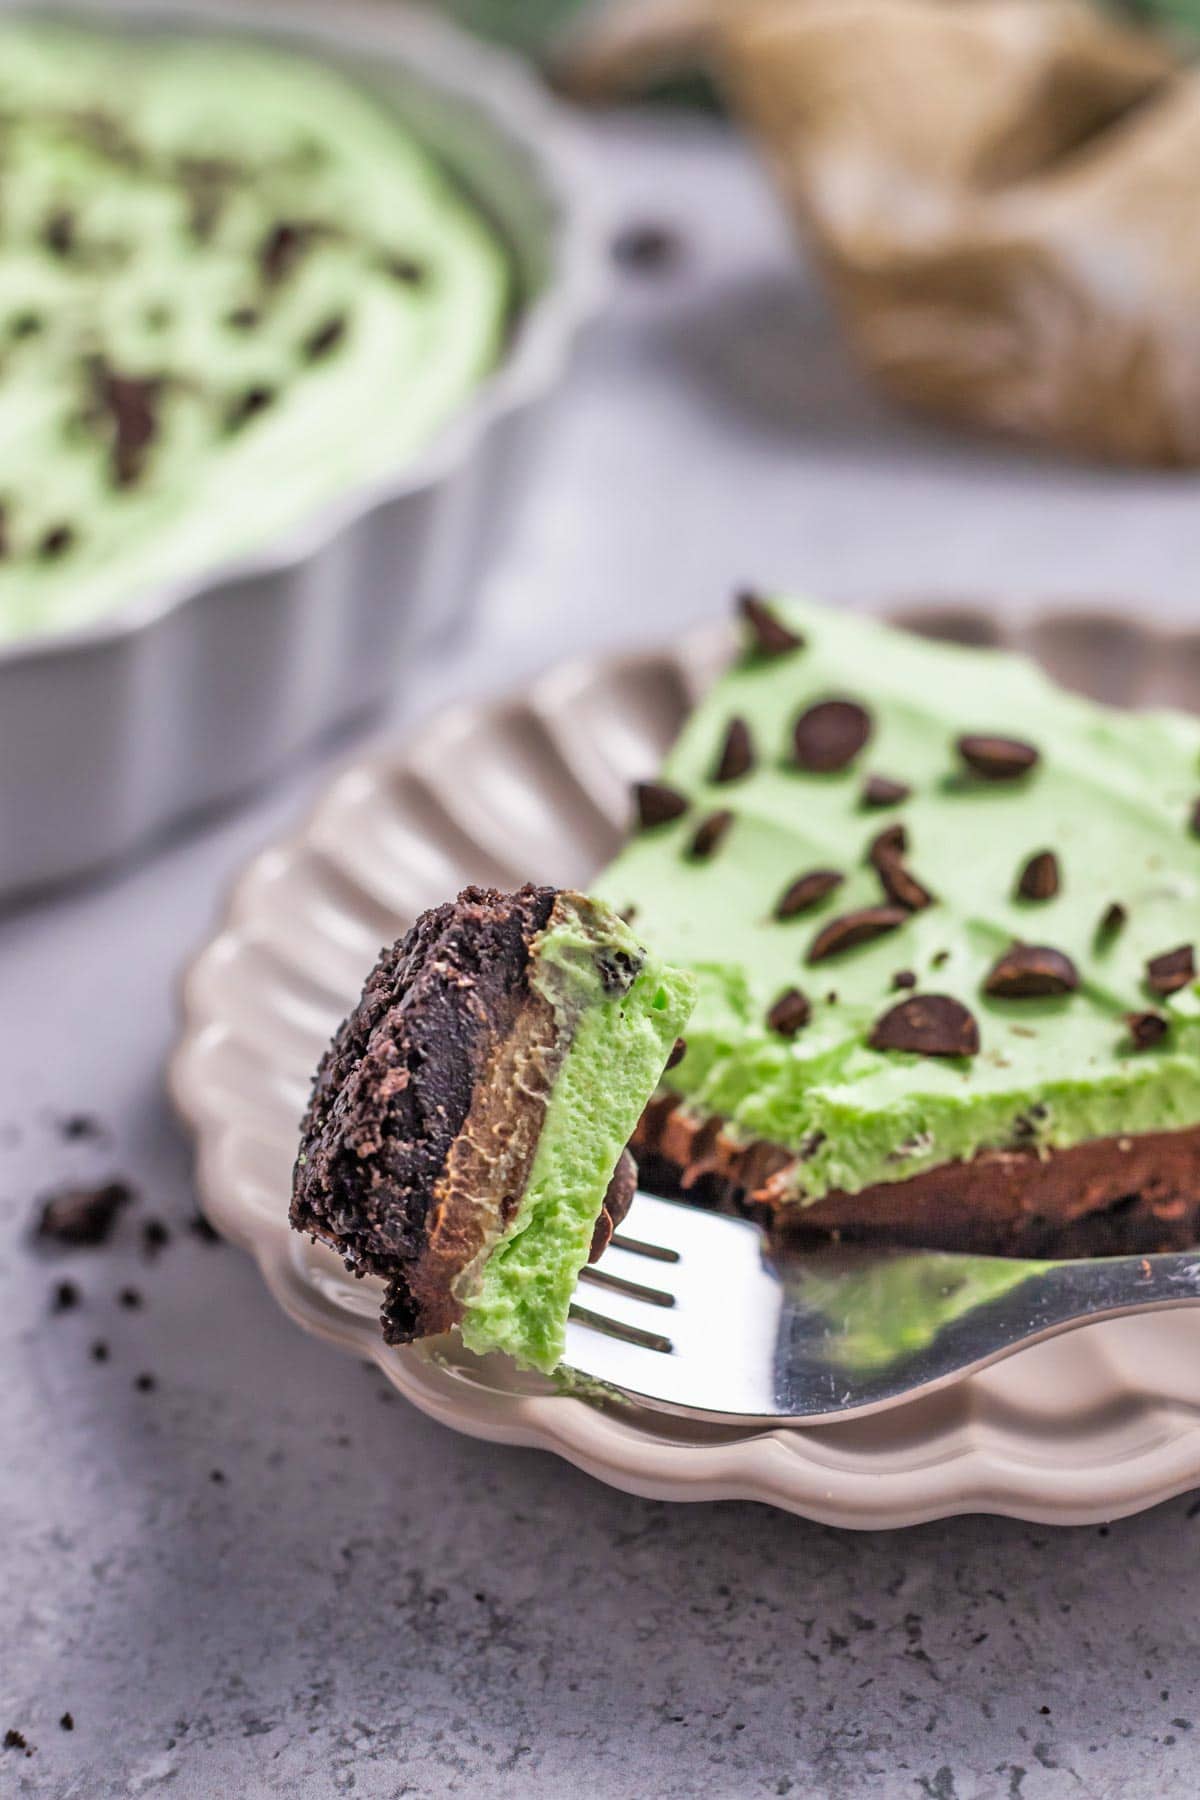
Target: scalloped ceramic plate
{"type": "Point", "coordinates": [1100, 1423]}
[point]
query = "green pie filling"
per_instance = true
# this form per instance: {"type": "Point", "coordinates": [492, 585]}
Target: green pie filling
{"type": "Point", "coordinates": [1112, 796]}
{"type": "Point", "coordinates": [232, 286]}
{"type": "Point", "coordinates": [619, 1044]}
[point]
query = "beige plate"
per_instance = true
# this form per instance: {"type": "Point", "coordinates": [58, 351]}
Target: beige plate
{"type": "Point", "coordinates": [1100, 1423]}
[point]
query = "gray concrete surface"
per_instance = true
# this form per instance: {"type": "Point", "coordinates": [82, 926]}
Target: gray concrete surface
{"type": "Point", "coordinates": [366, 1604]}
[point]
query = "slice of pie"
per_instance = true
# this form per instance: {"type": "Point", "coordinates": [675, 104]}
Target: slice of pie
{"type": "Point", "coordinates": [466, 1134]}
{"type": "Point", "coordinates": [942, 916]}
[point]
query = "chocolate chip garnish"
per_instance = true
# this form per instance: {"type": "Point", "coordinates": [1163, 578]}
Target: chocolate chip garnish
{"type": "Point", "coordinates": [709, 834]}
{"type": "Point", "coordinates": [852, 928]}
{"type": "Point", "coordinates": [904, 978]}
{"type": "Point", "coordinates": [247, 406]}
{"type": "Point", "coordinates": [647, 249]}
{"type": "Point", "coordinates": [1039, 879]}
{"type": "Point", "coordinates": [281, 248]}
{"type": "Point", "coordinates": [67, 1722]}
{"type": "Point", "coordinates": [1167, 973]}
{"type": "Point", "coordinates": [1146, 1029]}
{"type": "Point", "coordinates": [678, 1052]}
{"type": "Point", "coordinates": [55, 542]}
{"type": "Point", "coordinates": [66, 1297]}
{"type": "Point", "coordinates": [737, 753]}
{"type": "Point", "coordinates": [1031, 971]}
{"type": "Point", "coordinates": [325, 338]}
{"type": "Point", "coordinates": [131, 403]}
{"type": "Point", "coordinates": [406, 269]}
{"type": "Point", "coordinates": [83, 1215]}
{"type": "Point", "coordinates": [1112, 921]}
{"type": "Point", "coordinates": [878, 790]}
{"type": "Point", "coordinates": [657, 804]}
{"type": "Point", "coordinates": [901, 885]}
{"type": "Point", "coordinates": [939, 959]}
{"type": "Point", "coordinates": [927, 1025]}
{"type": "Point", "coordinates": [890, 843]}
{"type": "Point", "coordinates": [806, 892]}
{"type": "Point", "coordinates": [830, 735]}
{"type": "Point", "coordinates": [769, 636]}
{"type": "Point", "coordinates": [997, 758]}
{"type": "Point", "coordinates": [789, 1013]}
{"type": "Point", "coordinates": [58, 233]}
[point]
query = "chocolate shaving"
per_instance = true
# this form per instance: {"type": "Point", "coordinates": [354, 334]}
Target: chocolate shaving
{"type": "Point", "coordinates": [131, 403]}
{"type": "Point", "coordinates": [789, 1013]}
{"type": "Point", "coordinates": [1112, 921]}
{"type": "Point", "coordinates": [657, 804]}
{"type": "Point", "coordinates": [737, 753]}
{"type": "Point", "coordinates": [1039, 879]}
{"type": "Point", "coordinates": [247, 406]}
{"type": "Point", "coordinates": [243, 318]}
{"type": "Point", "coordinates": [806, 892]}
{"type": "Point", "coordinates": [678, 1052]}
{"type": "Point", "coordinates": [281, 249]}
{"type": "Point", "coordinates": [901, 885]}
{"type": "Point", "coordinates": [830, 735]}
{"type": "Point", "coordinates": [852, 928]}
{"type": "Point", "coordinates": [1167, 973]}
{"type": "Point", "coordinates": [997, 758]}
{"type": "Point", "coordinates": [406, 269]}
{"type": "Point", "coordinates": [58, 233]}
{"type": "Point", "coordinates": [769, 636]}
{"type": "Point", "coordinates": [1031, 971]}
{"type": "Point", "coordinates": [890, 843]}
{"type": "Point", "coordinates": [709, 834]}
{"type": "Point", "coordinates": [83, 1215]}
{"type": "Point", "coordinates": [1145, 1029]}
{"type": "Point", "coordinates": [878, 790]}
{"type": "Point", "coordinates": [56, 542]}
{"type": "Point", "coordinates": [927, 1025]}
{"type": "Point", "coordinates": [325, 338]}
{"type": "Point", "coordinates": [904, 978]}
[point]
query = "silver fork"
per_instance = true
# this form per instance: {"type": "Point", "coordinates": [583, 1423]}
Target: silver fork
{"type": "Point", "coordinates": [688, 1312]}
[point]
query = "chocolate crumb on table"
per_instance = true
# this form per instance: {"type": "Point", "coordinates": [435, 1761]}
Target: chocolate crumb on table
{"type": "Point", "coordinates": [83, 1215]}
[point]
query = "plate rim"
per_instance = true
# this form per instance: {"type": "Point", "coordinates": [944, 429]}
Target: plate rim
{"type": "Point", "coordinates": [799, 1469]}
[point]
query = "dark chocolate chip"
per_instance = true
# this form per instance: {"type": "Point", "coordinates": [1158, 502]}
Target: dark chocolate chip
{"type": "Point", "coordinates": [927, 1025]}
{"type": "Point", "coordinates": [939, 959]}
{"type": "Point", "coordinates": [15, 1740]}
{"type": "Point", "coordinates": [901, 885]}
{"type": "Point", "coordinates": [1031, 971]}
{"type": "Point", "coordinates": [878, 790]}
{"type": "Point", "coordinates": [647, 249]}
{"type": "Point", "coordinates": [325, 338]}
{"type": "Point", "coordinates": [890, 843]}
{"type": "Point", "coordinates": [657, 804]}
{"type": "Point", "coordinates": [678, 1052]}
{"type": "Point", "coordinates": [830, 735]}
{"type": "Point", "coordinates": [406, 269]}
{"type": "Point", "coordinates": [709, 833]}
{"type": "Point", "coordinates": [769, 636]}
{"type": "Point", "coordinates": [67, 1722]}
{"type": "Point", "coordinates": [904, 978]}
{"type": "Point", "coordinates": [58, 233]}
{"type": "Point", "coordinates": [852, 928]}
{"type": "Point", "coordinates": [83, 1215]}
{"type": "Point", "coordinates": [1167, 973]}
{"type": "Point", "coordinates": [1112, 922]}
{"type": "Point", "coordinates": [997, 758]}
{"type": "Point", "coordinates": [737, 753]}
{"type": "Point", "coordinates": [66, 1297]}
{"type": "Point", "coordinates": [789, 1013]}
{"type": "Point", "coordinates": [1039, 879]}
{"type": "Point", "coordinates": [1145, 1029]}
{"type": "Point", "coordinates": [806, 892]}
{"type": "Point", "coordinates": [55, 542]}
{"type": "Point", "coordinates": [281, 249]}
{"type": "Point", "coordinates": [247, 406]}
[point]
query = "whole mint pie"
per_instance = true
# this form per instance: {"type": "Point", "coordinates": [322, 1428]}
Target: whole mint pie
{"type": "Point", "coordinates": [233, 286]}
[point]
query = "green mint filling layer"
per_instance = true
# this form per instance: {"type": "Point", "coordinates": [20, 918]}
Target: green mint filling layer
{"type": "Point", "coordinates": [619, 1046]}
{"type": "Point", "coordinates": [232, 286]}
{"type": "Point", "coordinates": [1111, 796]}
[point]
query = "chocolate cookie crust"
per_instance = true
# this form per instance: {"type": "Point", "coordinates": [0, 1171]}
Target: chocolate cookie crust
{"type": "Point", "coordinates": [427, 1107]}
{"type": "Point", "coordinates": [1108, 1197]}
